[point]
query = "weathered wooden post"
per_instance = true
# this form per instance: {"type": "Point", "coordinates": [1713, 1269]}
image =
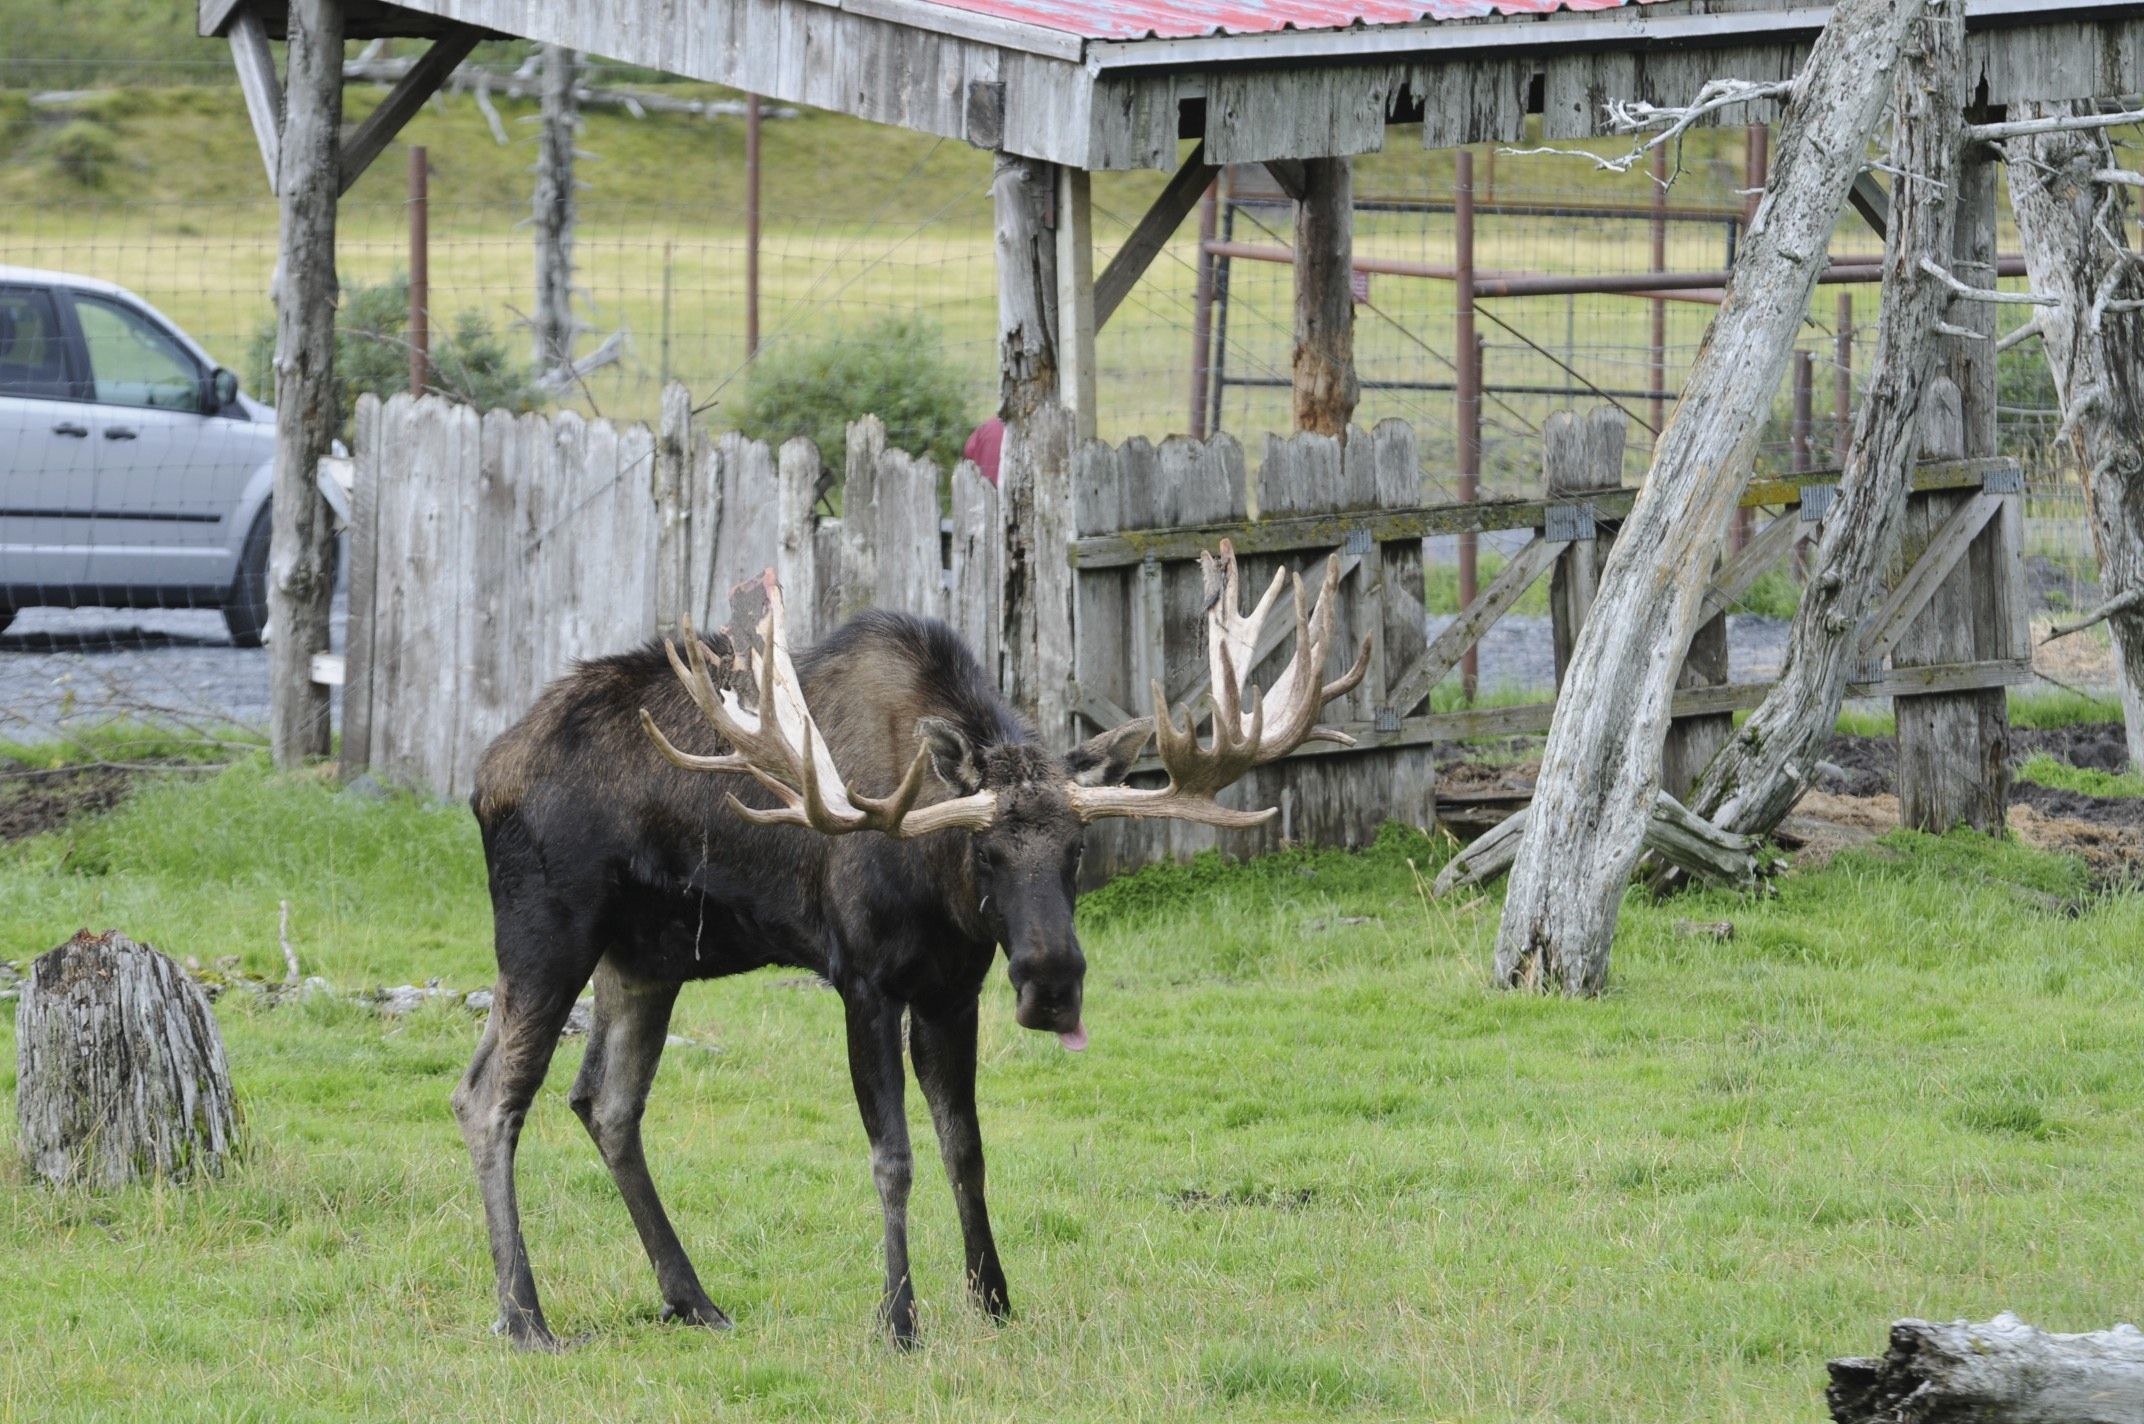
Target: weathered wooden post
{"type": "Point", "coordinates": [1035, 470]}
{"type": "Point", "coordinates": [1325, 386]}
{"type": "Point", "coordinates": [554, 206]}
{"type": "Point", "coordinates": [1600, 771]}
{"type": "Point", "coordinates": [120, 1073]}
{"type": "Point", "coordinates": [1953, 747]}
{"type": "Point", "coordinates": [301, 578]}
{"type": "Point", "coordinates": [1580, 455]}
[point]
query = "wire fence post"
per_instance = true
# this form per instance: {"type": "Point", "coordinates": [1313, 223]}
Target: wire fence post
{"type": "Point", "coordinates": [1202, 312]}
{"type": "Point", "coordinates": [420, 272]}
{"type": "Point", "coordinates": [1467, 350]}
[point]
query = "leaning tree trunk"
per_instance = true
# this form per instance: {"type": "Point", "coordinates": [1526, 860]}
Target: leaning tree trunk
{"type": "Point", "coordinates": [2000, 1372]}
{"type": "Point", "coordinates": [1601, 767]}
{"type": "Point", "coordinates": [554, 210]}
{"type": "Point", "coordinates": [1757, 777]}
{"type": "Point", "coordinates": [120, 1071]}
{"type": "Point", "coordinates": [2073, 215]}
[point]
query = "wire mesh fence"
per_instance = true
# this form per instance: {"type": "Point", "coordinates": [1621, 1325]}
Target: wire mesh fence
{"type": "Point", "coordinates": [860, 231]}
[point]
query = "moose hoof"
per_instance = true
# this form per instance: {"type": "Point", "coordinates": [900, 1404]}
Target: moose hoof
{"type": "Point", "coordinates": [991, 1299]}
{"type": "Point", "coordinates": [530, 1335]}
{"type": "Point", "coordinates": [702, 1312]}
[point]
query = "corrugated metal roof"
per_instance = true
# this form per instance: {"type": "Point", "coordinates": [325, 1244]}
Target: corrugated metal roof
{"type": "Point", "coordinates": [1184, 19]}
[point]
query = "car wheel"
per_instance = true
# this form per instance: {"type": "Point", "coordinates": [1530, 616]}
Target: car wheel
{"type": "Point", "coordinates": [246, 614]}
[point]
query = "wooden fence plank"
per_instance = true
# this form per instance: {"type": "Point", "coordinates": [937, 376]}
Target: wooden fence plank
{"type": "Point", "coordinates": [364, 565]}
{"type": "Point", "coordinates": [978, 579]}
{"type": "Point", "coordinates": [1475, 619]}
{"type": "Point", "coordinates": [796, 562]}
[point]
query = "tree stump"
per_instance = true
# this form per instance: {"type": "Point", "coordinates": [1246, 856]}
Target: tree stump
{"type": "Point", "coordinates": [120, 1072]}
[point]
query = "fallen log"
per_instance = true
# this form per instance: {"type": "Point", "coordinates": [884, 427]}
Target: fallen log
{"type": "Point", "coordinates": [120, 1073]}
{"type": "Point", "coordinates": [1674, 833]}
{"type": "Point", "coordinates": [2001, 1371]}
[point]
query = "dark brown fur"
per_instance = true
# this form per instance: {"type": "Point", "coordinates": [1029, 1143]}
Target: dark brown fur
{"type": "Point", "coordinates": [608, 862]}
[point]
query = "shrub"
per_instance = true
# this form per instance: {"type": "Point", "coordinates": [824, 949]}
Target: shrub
{"type": "Point", "coordinates": [895, 369]}
{"type": "Point", "coordinates": [469, 363]}
{"type": "Point", "coordinates": [82, 152]}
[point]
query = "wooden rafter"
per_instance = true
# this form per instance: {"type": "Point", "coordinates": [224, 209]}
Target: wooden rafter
{"type": "Point", "coordinates": [262, 88]}
{"type": "Point", "coordinates": [370, 139]}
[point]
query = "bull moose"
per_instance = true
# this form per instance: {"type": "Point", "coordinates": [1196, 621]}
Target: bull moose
{"type": "Point", "coordinates": [652, 821]}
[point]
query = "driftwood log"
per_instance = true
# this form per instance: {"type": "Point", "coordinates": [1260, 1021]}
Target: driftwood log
{"type": "Point", "coordinates": [120, 1073]}
{"type": "Point", "coordinates": [1601, 767]}
{"type": "Point", "coordinates": [1762, 771]}
{"type": "Point", "coordinates": [2002, 1371]}
{"type": "Point", "coordinates": [2074, 213]}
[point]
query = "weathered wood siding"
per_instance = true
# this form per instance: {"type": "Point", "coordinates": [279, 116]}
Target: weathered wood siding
{"type": "Point", "coordinates": [492, 551]}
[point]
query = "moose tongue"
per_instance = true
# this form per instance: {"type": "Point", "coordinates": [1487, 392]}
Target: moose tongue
{"type": "Point", "coordinates": [1076, 1040]}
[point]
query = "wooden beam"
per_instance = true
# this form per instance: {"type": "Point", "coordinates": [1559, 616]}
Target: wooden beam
{"type": "Point", "coordinates": [1288, 172]}
{"type": "Point", "coordinates": [1076, 320]}
{"type": "Point", "coordinates": [1182, 194]}
{"type": "Point", "coordinates": [370, 139]}
{"type": "Point", "coordinates": [214, 15]}
{"type": "Point", "coordinates": [1871, 201]}
{"type": "Point", "coordinates": [1463, 632]}
{"type": "Point", "coordinates": [1325, 386]}
{"type": "Point", "coordinates": [1947, 546]}
{"type": "Point", "coordinates": [1759, 554]}
{"type": "Point", "coordinates": [1281, 533]}
{"type": "Point", "coordinates": [262, 89]}
{"type": "Point", "coordinates": [301, 580]}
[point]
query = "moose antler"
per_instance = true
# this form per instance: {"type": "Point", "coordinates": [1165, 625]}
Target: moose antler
{"type": "Point", "coordinates": [779, 745]}
{"type": "Point", "coordinates": [1275, 724]}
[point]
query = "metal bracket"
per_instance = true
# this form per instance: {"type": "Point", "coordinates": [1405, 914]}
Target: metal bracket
{"type": "Point", "coordinates": [1567, 523]}
{"type": "Point", "coordinates": [2007, 480]}
{"type": "Point", "coordinates": [1386, 719]}
{"type": "Point", "coordinates": [1358, 541]}
{"type": "Point", "coordinates": [1817, 501]}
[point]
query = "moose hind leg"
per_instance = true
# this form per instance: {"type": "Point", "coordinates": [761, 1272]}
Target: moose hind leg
{"type": "Point", "coordinates": [491, 1103]}
{"type": "Point", "coordinates": [625, 1043]}
{"type": "Point", "coordinates": [944, 1050]}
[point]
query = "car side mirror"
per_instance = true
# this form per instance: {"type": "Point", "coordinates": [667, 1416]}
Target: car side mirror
{"type": "Point", "coordinates": [218, 391]}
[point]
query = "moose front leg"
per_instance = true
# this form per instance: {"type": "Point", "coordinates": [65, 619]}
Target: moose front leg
{"type": "Point", "coordinates": [875, 1070]}
{"type": "Point", "coordinates": [944, 1050]}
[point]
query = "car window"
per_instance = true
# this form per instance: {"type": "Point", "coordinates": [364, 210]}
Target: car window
{"type": "Point", "coordinates": [33, 351]}
{"type": "Point", "coordinates": [133, 361]}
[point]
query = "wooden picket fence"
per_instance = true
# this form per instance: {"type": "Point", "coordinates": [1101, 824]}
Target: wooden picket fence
{"type": "Point", "coordinates": [490, 551]}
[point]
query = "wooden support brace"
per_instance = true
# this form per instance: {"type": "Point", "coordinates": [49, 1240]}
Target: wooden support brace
{"type": "Point", "coordinates": [1076, 320]}
{"type": "Point", "coordinates": [1475, 619]}
{"type": "Point", "coordinates": [1288, 172]}
{"type": "Point", "coordinates": [1744, 569]}
{"type": "Point", "coordinates": [370, 138]}
{"type": "Point", "coordinates": [1177, 200]}
{"type": "Point", "coordinates": [1871, 201]}
{"type": "Point", "coordinates": [263, 90]}
{"type": "Point", "coordinates": [1904, 603]}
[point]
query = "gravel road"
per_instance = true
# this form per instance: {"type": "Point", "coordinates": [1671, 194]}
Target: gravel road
{"type": "Point", "coordinates": [63, 668]}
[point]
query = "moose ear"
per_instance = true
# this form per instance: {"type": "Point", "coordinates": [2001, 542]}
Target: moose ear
{"type": "Point", "coordinates": [1103, 760]}
{"type": "Point", "coordinates": [952, 755]}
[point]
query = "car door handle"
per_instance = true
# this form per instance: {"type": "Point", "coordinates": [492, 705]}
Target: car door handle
{"type": "Point", "coordinates": [119, 432]}
{"type": "Point", "coordinates": [69, 428]}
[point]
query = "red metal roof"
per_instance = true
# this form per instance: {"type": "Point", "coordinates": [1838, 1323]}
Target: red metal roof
{"type": "Point", "coordinates": [1183, 19]}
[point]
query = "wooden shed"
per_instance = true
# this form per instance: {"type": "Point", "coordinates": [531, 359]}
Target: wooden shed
{"type": "Point", "coordinates": [1060, 89]}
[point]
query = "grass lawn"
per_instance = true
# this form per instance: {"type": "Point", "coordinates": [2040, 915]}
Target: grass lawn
{"type": "Point", "coordinates": [1313, 1165]}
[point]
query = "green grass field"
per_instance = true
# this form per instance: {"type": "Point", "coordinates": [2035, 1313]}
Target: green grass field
{"type": "Point", "coordinates": [1314, 1165]}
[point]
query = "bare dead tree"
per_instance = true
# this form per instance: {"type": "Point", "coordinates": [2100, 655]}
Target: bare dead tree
{"type": "Point", "coordinates": [1601, 769]}
{"type": "Point", "coordinates": [554, 210]}
{"type": "Point", "coordinates": [1759, 774]}
{"type": "Point", "coordinates": [2073, 215]}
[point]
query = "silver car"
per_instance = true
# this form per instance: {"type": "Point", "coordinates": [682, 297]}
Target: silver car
{"type": "Point", "coordinates": [133, 472]}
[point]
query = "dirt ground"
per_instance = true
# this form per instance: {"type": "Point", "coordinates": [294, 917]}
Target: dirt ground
{"type": "Point", "coordinates": [33, 803]}
{"type": "Point", "coordinates": [1855, 799]}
